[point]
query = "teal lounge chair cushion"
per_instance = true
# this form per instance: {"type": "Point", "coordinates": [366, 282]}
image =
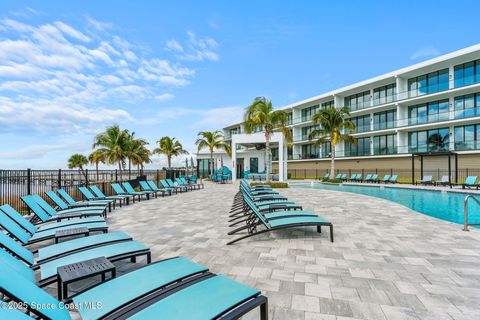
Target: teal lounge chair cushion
{"type": "Point", "coordinates": [288, 213]}
{"type": "Point", "coordinates": [28, 292]}
{"type": "Point", "coordinates": [470, 180]}
{"type": "Point", "coordinates": [16, 248]}
{"type": "Point", "coordinates": [132, 285]}
{"type": "Point", "coordinates": [18, 218]}
{"type": "Point", "coordinates": [6, 259]}
{"type": "Point", "coordinates": [49, 269]}
{"type": "Point", "coordinates": [295, 220]}
{"type": "Point", "coordinates": [12, 314]}
{"type": "Point", "coordinates": [75, 222]}
{"type": "Point", "coordinates": [13, 228]}
{"type": "Point", "coordinates": [204, 300]}
{"type": "Point", "coordinates": [49, 233]}
{"type": "Point", "coordinates": [75, 244]}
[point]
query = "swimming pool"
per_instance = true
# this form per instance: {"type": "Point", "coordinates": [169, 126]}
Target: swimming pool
{"type": "Point", "coordinates": [442, 205]}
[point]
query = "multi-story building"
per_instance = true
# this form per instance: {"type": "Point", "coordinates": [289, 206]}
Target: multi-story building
{"type": "Point", "coordinates": [432, 107]}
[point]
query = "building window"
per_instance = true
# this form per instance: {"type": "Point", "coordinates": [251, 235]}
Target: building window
{"type": "Point", "coordinates": [361, 148]}
{"type": "Point", "coordinates": [274, 152]}
{"type": "Point", "coordinates": [428, 83]}
{"type": "Point", "coordinates": [306, 131]}
{"type": "Point", "coordinates": [386, 144]}
{"type": "Point", "coordinates": [384, 94]}
{"type": "Point", "coordinates": [467, 106]}
{"type": "Point", "coordinates": [467, 137]}
{"type": "Point", "coordinates": [466, 73]}
{"type": "Point", "coordinates": [385, 120]}
{"type": "Point", "coordinates": [307, 113]}
{"type": "Point", "coordinates": [428, 112]}
{"type": "Point", "coordinates": [435, 140]}
{"type": "Point", "coordinates": [362, 124]}
{"type": "Point", "coordinates": [289, 119]}
{"type": "Point", "coordinates": [325, 150]}
{"type": "Point", "coordinates": [358, 101]}
{"type": "Point", "coordinates": [309, 151]}
{"type": "Point", "coordinates": [328, 104]}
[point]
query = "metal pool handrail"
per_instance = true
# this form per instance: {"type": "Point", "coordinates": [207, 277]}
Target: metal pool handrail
{"type": "Point", "coordinates": [465, 212]}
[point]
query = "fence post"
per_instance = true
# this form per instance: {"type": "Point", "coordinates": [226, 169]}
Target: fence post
{"type": "Point", "coordinates": [158, 176]}
{"type": "Point", "coordinates": [59, 183]}
{"type": "Point", "coordinates": [29, 181]}
{"type": "Point", "coordinates": [305, 173]}
{"type": "Point", "coordinates": [316, 173]}
{"type": "Point", "coordinates": [86, 177]}
{"type": "Point", "coordinates": [116, 175]}
{"type": "Point", "coordinates": [391, 171]}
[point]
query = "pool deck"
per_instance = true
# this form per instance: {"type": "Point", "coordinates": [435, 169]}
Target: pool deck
{"type": "Point", "coordinates": [387, 262]}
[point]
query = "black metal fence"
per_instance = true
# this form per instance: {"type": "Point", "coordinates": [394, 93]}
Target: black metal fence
{"type": "Point", "coordinates": [17, 183]}
{"type": "Point", "coordinates": [404, 175]}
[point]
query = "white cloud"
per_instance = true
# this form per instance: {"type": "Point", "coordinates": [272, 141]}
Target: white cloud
{"type": "Point", "coordinates": [164, 97]}
{"type": "Point", "coordinates": [58, 78]}
{"type": "Point", "coordinates": [425, 52]}
{"type": "Point", "coordinates": [174, 45]}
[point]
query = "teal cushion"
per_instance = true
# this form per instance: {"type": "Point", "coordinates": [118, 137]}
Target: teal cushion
{"type": "Point", "coordinates": [49, 269]}
{"type": "Point", "coordinates": [18, 218]}
{"type": "Point", "coordinates": [289, 213]}
{"type": "Point", "coordinates": [79, 243]}
{"type": "Point", "coordinates": [12, 314]}
{"type": "Point", "coordinates": [28, 292]}
{"type": "Point", "coordinates": [295, 220]}
{"type": "Point", "coordinates": [70, 223]}
{"type": "Point", "coordinates": [58, 201]}
{"type": "Point", "coordinates": [50, 233]}
{"type": "Point", "coordinates": [16, 248]}
{"type": "Point", "coordinates": [9, 260]}
{"type": "Point", "coordinates": [204, 300]}
{"type": "Point", "coordinates": [36, 208]}
{"type": "Point", "coordinates": [133, 285]}
{"type": "Point", "coordinates": [13, 228]}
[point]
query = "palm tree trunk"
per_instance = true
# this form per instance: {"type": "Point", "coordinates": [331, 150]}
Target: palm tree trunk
{"type": "Point", "coordinates": [332, 164]}
{"type": "Point", "coordinates": [129, 169]}
{"type": "Point", "coordinates": [211, 161]}
{"type": "Point", "coordinates": [169, 158]}
{"type": "Point", "coordinates": [96, 169]}
{"type": "Point", "coordinates": [267, 154]}
{"type": "Point", "coordinates": [120, 169]}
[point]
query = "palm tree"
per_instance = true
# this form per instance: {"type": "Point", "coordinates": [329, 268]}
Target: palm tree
{"type": "Point", "coordinates": [334, 128]}
{"type": "Point", "coordinates": [113, 145]}
{"type": "Point", "coordinates": [170, 147]}
{"type": "Point", "coordinates": [78, 160]}
{"type": "Point", "coordinates": [96, 157]}
{"type": "Point", "coordinates": [212, 140]}
{"type": "Point", "coordinates": [138, 153]}
{"type": "Point", "coordinates": [261, 114]}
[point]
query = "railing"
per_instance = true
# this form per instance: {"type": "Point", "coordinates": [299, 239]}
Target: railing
{"type": "Point", "coordinates": [15, 184]}
{"type": "Point", "coordinates": [465, 212]}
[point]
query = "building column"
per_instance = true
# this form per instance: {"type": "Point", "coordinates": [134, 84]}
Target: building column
{"type": "Point", "coordinates": [234, 160]}
{"type": "Point", "coordinates": [281, 159]}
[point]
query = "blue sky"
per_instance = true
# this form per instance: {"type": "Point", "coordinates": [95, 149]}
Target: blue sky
{"type": "Point", "coordinates": [69, 69]}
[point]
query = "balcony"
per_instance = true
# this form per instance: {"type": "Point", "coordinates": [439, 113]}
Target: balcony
{"type": "Point", "coordinates": [467, 145]}
{"type": "Point", "coordinates": [356, 153]}
{"type": "Point", "coordinates": [429, 147]}
{"type": "Point", "coordinates": [385, 151]}
{"type": "Point", "coordinates": [361, 129]}
{"type": "Point", "coordinates": [385, 125]}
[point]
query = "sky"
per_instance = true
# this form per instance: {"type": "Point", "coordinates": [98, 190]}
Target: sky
{"type": "Point", "coordinates": [70, 69]}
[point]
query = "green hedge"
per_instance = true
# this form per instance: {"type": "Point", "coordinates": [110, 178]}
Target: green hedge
{"type": "Point", "coordinates": [332, 180]}
{"type": "Point", "coordinates": [279, 185]}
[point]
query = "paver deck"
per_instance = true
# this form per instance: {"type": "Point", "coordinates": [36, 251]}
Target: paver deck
{"type": "Point", "coordinates": [387, 262]}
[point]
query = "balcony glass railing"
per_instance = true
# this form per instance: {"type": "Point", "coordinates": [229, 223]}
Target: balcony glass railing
{"type": "Point", "coordinates": [361, 129]}
{"type": "Point", "coordinates": [385, 150]}
{"type": "Point", "coordinates": [384, 125]}
{"type": "Point", "coordinates": [429, 147]}
{"type": "Point", "coordinates": [467, 145]}
{"type": "Point", "coordinates": [466, 81]}
{"type": "Point", "coordinates": [356, 153]}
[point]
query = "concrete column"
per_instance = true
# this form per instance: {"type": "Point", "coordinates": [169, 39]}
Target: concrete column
{"type": "Point", "coordinates": [451, 137]}
{"type": "Point", "coordinates": [234, 160]}
{"type": "Point", "coordinates": [281, 160]}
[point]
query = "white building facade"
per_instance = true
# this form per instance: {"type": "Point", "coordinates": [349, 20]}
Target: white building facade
{"type": "Point", "coordinates": [431, 107]}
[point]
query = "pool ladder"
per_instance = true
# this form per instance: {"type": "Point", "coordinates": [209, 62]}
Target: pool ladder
{"type": "Point", "coordinates": [465, 212]}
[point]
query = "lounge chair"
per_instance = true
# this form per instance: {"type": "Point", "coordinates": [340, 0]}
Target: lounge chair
{"type": "Point", "coordinates": [171, 184]}
{"type": "Point", "coordinates": [72, 203]}
{"type": "Point", "coordinates": [426, 180]}
{"type": "Point", "coordinates": [470, 182]}
{"type": "Point", "coordinates": [326, 176]}
{"type": "Point", "coordinates": [128, 187]}
{"type": "Point", "coordinates": [91, 197]}
{"type": "Point", "coordinates": [154, 187]}
{"type": "Point", "coordinates": [39, 206]}
{"type": "Point", "coordinates": [353, 176]}
{"type": "Point", "coordinates": [193, 179]}
{"type": "Point", "coordinates": [386, 178]}
{"type": "Point", "coordinates": [62, 205]}
{"type": "Point", "coordinates": [148, 293]}
{"type": "Point", "coordinates": [128, 249]}
{"type": "Point", "coordinates": [120, 192]}
{"type": "Point", "coordinates": [166, 186]}
{"type": "Point", "coordinates": [368, 177]}
{"type": "Point", "coordinates": [280, 223]}
{"type": "Point", "coordinates": [182, 183]}
{"type": "Point", "coordinates": [191, 183]}
{"type": "Point", "coordinates": [393, 178]}
{"type": "Point", "coordinates": [339, 176]}
{"type": "Point", "coordinates": [27, 233]}
{"type": "Point", "coordinates": [444, 181]}
{"type": "Point", "coordinates": [99, 195]}
{"type": "Point", "coordinates": [374, 178]}
{"type": "Point", "coordinates": [146, 187]}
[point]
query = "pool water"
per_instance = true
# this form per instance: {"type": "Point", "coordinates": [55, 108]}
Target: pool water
{"type": "Point", "coordinates": [442, 205]}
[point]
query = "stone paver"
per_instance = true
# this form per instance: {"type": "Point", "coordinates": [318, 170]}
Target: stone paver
{"type": "Point", "coordinates": [387, 262]}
